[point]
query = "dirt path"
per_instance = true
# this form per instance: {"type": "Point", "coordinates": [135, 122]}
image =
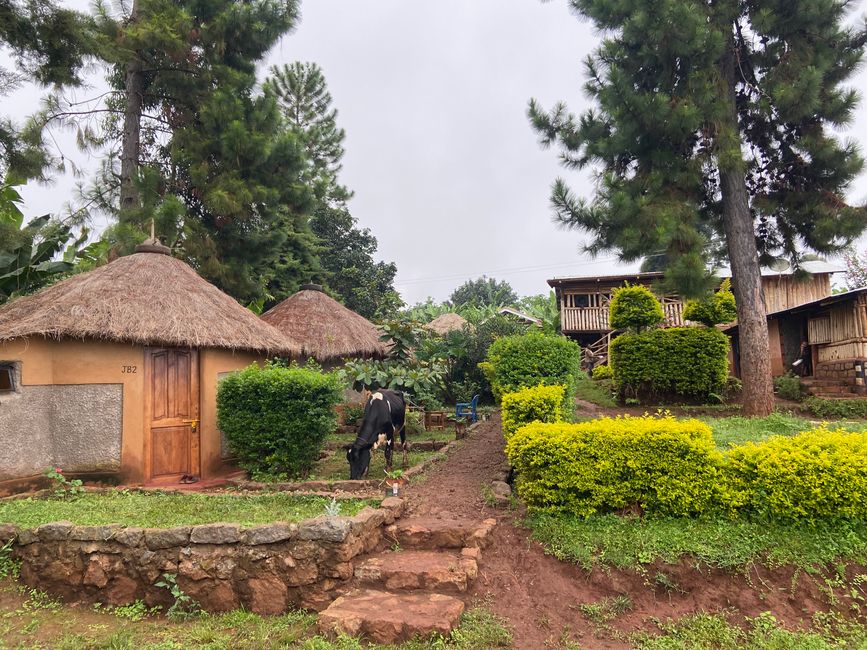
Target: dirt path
{"type": "Point", "coordinates": [541, 596]}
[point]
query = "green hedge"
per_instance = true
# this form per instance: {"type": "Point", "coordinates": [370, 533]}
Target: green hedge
{"type": "Point", "coordinates": [666, 466]}
{"type": "Point", "coordinates": [836, 408]}
{"type": "Point", "coordinates": [818, 474]}
{"type": "Point", "coordinates": [672, 467]}
{"type": "Point", "coordinates": [516, 362]}
{"type": "Point", "coordinates": [537, 404]}
{"type": "Point", "coordinates": [277, 419]}
{"type": "Point", "coordinates": [687, 361]}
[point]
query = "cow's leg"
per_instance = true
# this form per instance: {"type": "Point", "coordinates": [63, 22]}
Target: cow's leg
{"type": "Point", "coordinates": [389, 447]}
{"type": "Point", "coordinates": [404, 446]}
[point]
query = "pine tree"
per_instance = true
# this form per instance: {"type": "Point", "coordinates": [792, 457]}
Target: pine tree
{"type": "Point", "coordinates": [195, 145]}
{"type": "Point", "coordinates": [363, 285]}
{"type": "Point", "coordinates": [49, 46]}
{"type": "Point", "coordinates": [713, 123]}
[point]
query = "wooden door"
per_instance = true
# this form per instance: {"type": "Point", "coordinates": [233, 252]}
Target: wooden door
{"type": "Point", "coordinates": [171, 412]}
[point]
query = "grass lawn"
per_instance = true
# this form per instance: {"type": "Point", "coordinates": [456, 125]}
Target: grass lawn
{"type": "Point", "coordinates": [629, 542]}
{"type": "Point", "coordinates": [714, 632]}
{"type": "Point", "coordinates": [160, 510]}
{"type": "Point", "coordinates": [447, 435]}
{"type": "Point", "coordinates": [595, 392]}
{"type": "Point", "coordinates": [736, 430]}
{"type": "Point", "coordinates": [336, 467]}
{"type": "Point", "coordinates": [29, 619]}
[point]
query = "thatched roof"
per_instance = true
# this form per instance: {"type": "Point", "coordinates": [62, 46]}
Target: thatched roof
{"type": "Point", "coordinates": [324, 328]}
{"type": "Point", "coordinates": [447, 323]}
{"type": "Point", "coordinates": [148, 298]}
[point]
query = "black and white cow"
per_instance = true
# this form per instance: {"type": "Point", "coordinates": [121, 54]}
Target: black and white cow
{"type": "Point", "coordinates": [384, 416]}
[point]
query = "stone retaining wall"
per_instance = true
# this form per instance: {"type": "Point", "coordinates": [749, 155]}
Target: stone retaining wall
{"type": "Point", "coordinates": [265, 569]}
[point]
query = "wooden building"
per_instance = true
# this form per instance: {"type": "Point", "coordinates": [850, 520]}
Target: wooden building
{"type": "Point", "coordinates": [114, 372]}
{"type": "Point", "coordinates": [584, 301]}
{"type": "Point", "coordinates": [834, 329]}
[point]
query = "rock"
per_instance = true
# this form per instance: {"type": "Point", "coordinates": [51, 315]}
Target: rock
{"type": "Point", "coordinates": [213, 595]}
{"type": "Point", "coordinates": [157, 538]}
{"type": "Point", "coordinates": [267, 595]}
{"type": "Point", "coordinates": [130, 536]}
{"type": "Point", "coordinates": [7, 532]}
{"type": "Point", "coordinates": [501, 489]}
{"type": "Point", "coordinates": [395, 504]}
{"type": "Point", "coordinates": [94, 533]}
{"type": "Point", "coordinates": [27, 536]}
{"type": "Point", "coordinates": [192, 570]}
{"type": "Point", "coordinates": [122, 591]}
{"type": "Point", "coordinates": [95, 575]}
{"type": "Point", "coordinates": [328, 529]}
{"type": "Point", "coordinates": [432, 533]}
{"type": "Point", "coordinates": [215, 534]}
{"type": "Point", "coordinates": [431, 570]}
{"type": "Point", "coordinates": [391, 618]}
{"type": "Point", "coordinates": [270, 534]}
{"type": "Point", "coordinates": [55, 531]}
{"type": "Point", "coordinates": [303, 573]}
{"type": "Point", "coordinates": [481, 537]}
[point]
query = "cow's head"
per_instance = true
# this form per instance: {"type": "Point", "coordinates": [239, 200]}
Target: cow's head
{"type": "Point", "coordinates": [359, 461]}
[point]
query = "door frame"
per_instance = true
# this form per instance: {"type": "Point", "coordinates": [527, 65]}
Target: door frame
{"type": "Point", "coordinates": [195, 389]}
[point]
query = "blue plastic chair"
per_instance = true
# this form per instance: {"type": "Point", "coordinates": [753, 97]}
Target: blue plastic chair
{"type": "Point", "coordinates": [467, 408]}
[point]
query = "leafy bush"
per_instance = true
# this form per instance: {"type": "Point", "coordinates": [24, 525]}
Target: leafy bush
{"type": "Point", "coordinates": [537, 404]}
{"type": "Point", "coordinates": [667, 466]}
{"type": "Point", "coordinates": [715, 309]}
{"type": "Point", "coordinates": [687, 361]}
{"type": "Point", "coordinates": [788, 386]}
{"type": "Point", "coordinates": [277, 419]}
{"type": "Point", "coordinates": [516, 362]}
{"type": "Point", "coordinates": [414, 423]}
{"type": "Point", "coordinates": [634, 308]}
{"type": "Point", "coordinates": [836, 408]}
{"type": "Point", "coordinates": [602, 372]}
{"type": "Point", "coordinates": [814, 475]}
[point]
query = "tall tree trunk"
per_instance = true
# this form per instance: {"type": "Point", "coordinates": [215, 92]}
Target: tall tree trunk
{"type": "Point", "coordinates": [755, 360]}
{"type": "Point", "coordinates": [131, 142]}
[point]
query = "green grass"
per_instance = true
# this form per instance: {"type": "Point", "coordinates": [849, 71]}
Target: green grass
{"type": "Point", "coordinates": [737, 430]}
{"type": "Point", "coordinates": [630, 542]}
{"type": "Point", "coordinates": [447, 435]}
{"type": "Point", "coordinates": [595, 392]}
{"type": "Point", "coordinates": [336, 467]}
{"type": "Point", "coordinates": [28, 621]}
{"type": "Point", "coordinates": [764, 632]}
{"type": "Point", "coordinates": [161, 510]}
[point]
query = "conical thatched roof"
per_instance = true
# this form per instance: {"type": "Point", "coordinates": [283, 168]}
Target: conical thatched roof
{"type": "Point", "coordinates": [447, 323]}
{"type": "Point", "coordinates": [149, 298]}
{"type": "Point", "coordinates": [324, 328]}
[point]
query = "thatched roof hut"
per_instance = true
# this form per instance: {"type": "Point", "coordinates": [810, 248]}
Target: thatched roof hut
{"type": "Point", "coordinates": [447, 323]}
{"type": "Point", "coordinates": [147, 298]}
{"type": "Point", "coordinates": [325, 329]}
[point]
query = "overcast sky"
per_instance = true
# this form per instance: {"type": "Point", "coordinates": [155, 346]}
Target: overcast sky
{"type": "Point", "coordinates": [446, 170]}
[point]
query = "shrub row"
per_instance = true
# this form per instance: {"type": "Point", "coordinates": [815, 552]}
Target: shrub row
{"type": "Point", "coordinates": [689, 361]}
{"type": "Point", "coordinates": [671, 467]}
{"type": "Point", "coordinates": [537, 404]}
{"type": "Point", "coordinates": [516, 362]}
{"type": "Point", "coordinates": [276, 419]}
{"type": "Point", "coordinates": [836, 408]}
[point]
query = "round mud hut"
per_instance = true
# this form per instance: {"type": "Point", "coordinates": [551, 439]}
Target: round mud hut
{"type": "Point", "coordinates": [326, 330]}
{"type": "Point", "coordinates": [114, 372]}
{"type": "Point", "coordinates": [446, 323]}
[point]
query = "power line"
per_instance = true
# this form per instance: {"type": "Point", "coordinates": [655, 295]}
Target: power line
{"type": "Point", "coordinates": [502, 271]}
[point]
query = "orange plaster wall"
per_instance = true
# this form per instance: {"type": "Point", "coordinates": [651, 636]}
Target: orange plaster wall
{"type": "Point", "coordinates": [46, 362]}
{"type": "Point", "coordinates": [211, 364]}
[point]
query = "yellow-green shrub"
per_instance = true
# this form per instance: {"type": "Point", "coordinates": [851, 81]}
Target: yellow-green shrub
{"type": "Point", "coordinates": [538, 404]}
{"type": "Point", "coordinates": [667, 466]}
{"type": "Point", "coordinates": [814, 475]}
{"type": "Point", "coordinates": [602, 372]}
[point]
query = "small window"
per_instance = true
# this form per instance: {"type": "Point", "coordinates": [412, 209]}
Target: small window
{"type": "Point", "coordinates": [7, 378]}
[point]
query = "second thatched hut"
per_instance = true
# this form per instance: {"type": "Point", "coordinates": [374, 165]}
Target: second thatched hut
{"type": "Point", "coordinates": [326, 330]}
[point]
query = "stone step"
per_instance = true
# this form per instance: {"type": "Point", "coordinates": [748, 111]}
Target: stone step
{"type": "Point", "coordinates": [385, 617]}
{"type": "Point", "coordinates": [425, 570]}
{"type": "Point", "coordinates": [434, 533]}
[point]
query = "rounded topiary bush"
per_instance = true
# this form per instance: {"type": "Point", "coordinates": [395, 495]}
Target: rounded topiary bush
{"type": "Point", "coordinates": [634, 308]}
{"type": "Point", "coordinates": [516, 362]}
{"type": "Point", "coordinates": [277, 419]}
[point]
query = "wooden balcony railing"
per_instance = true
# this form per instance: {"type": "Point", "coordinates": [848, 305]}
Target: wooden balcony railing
{"type": "Point", "coordinates": [595, 319]}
